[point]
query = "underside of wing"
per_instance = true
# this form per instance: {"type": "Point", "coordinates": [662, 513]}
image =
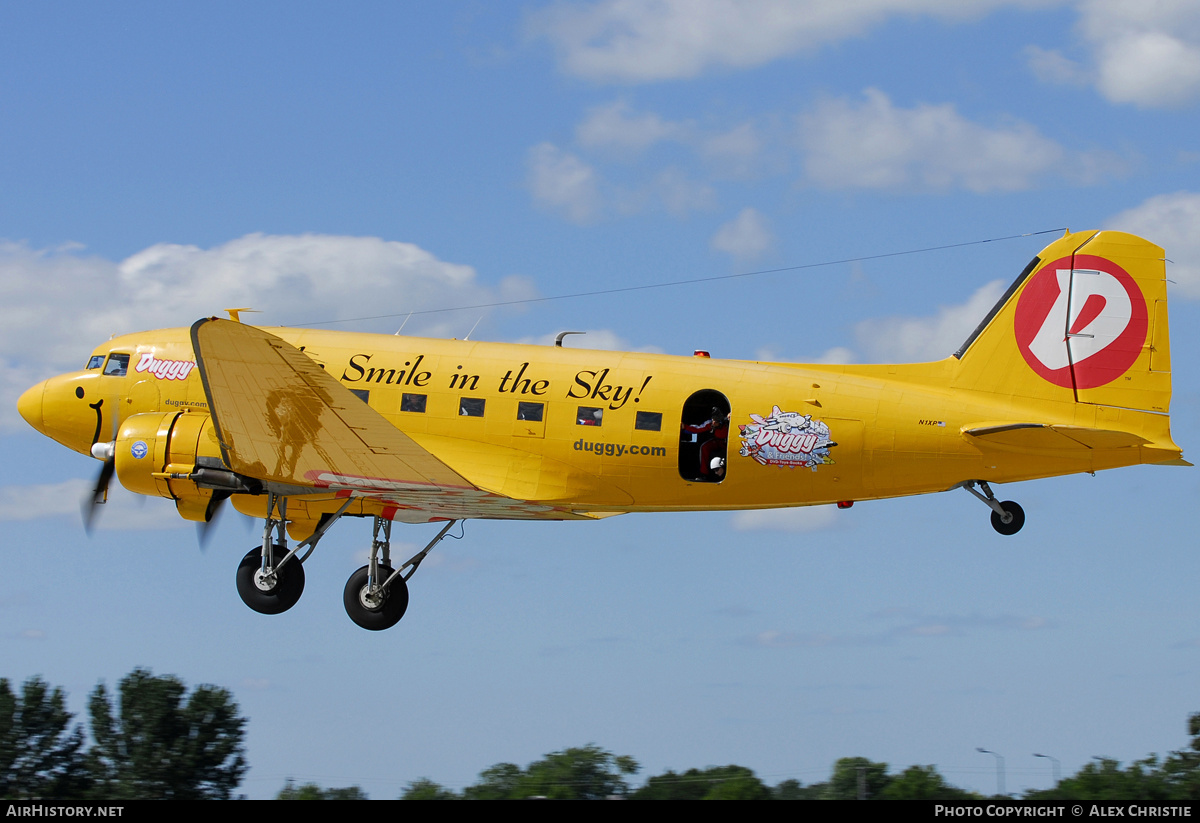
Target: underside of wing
{"type": "Point", "coordinates": [281, 419]}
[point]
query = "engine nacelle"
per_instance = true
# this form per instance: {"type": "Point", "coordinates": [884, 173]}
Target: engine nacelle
{"type": "Point", "coordinates": [161, 454]}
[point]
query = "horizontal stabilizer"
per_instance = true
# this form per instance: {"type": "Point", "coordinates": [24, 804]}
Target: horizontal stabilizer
{"type": "Point", "coordinates": [1040, 436]}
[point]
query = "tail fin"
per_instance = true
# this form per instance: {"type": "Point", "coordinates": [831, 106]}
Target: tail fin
{"type": "Point", "coordinates": [1086, 322]}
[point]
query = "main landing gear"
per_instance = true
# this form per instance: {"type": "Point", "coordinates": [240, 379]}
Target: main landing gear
{"type": "Point", "coordinates": [376, 595]}
{"type": "Point", "coordinates": [270, 579]}
{"type": "Point", "coordinates": [1007, 517]}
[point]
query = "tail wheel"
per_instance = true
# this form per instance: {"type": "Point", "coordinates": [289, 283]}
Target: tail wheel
{"type": "Point", "coordinates": [375, 611]}
{"type": "Point", "coordinates": [1016, 521]}
{"type": "Point", "coordinates": [272, 593]}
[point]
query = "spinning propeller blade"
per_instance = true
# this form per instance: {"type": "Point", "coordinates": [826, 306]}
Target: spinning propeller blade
{"type": "Point", "coordinates": [99, 495]}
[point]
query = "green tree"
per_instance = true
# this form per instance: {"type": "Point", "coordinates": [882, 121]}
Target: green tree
{"type": "Point", "coordinates": [848, 771]}
{"type": "Point", "coordinates": [735, 783]}
{"type": "Point", "coordinates": [425, 789]}
{"type": "Point", "coordinates": [497, 782]}
{"type": "Point", "coordinates": [714, 783]}
{"type": "Point", "coordinates": [791, 790]}
{"type": "Point", "coordinates": [1103, 780]}
{"type": "Point", "coordinates": [158, 746]}
{"type": "Point", "coordinates": [40, 756]}
{"type": "Point", "coordinates": [922, 783]}
{"type": "Point", "coordinates": [671, 786]}
{"type": "Point", "coordinates": [311, 791]}
{"type": "Point", "coordinates": [587, 773]}
{"type": "Point", "coordinates": [1182, 768]}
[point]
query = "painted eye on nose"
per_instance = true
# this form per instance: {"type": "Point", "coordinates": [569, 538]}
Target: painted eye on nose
{"type": "Point", "coordinates": [79, 392]}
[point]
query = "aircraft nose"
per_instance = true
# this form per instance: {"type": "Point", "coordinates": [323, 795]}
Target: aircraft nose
{"type": "Point", "coordinates": [30, 406]}
{"type": "Point", "coordinates": [60, 409]}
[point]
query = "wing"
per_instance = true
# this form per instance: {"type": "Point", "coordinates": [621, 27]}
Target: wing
{"type": "Point", "coordinates": [280, 418]}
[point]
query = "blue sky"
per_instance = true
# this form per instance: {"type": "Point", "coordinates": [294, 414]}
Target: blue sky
{"type": "Point", "coordinates": [159, 163]}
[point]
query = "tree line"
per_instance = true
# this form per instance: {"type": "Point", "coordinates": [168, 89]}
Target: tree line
{"type": "Point", "coordinates": [160, 742]}
{"type": "Point", "coordinates": [592, 773]}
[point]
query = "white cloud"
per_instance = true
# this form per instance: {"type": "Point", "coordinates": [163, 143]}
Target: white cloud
{"type": "Point", "coordinates": [800, 519]}
{"type": "Point", "coordinates": [1170, 220]}
{"type": "Point", "coordinates": [633, 41]}
{"type": "Point", "coordinates": [1147, 54]}
{"type": "Point", "coordinates": [878, 145]}
{"type": "Point", "coordinates": [1144, 53]}
{"type": "Point", "coordinates": [913, 339]}
{"type": "Point", "coordinates": [48, 500]}
{"type": "Point", "coordinates": [734, 152]}
{"type": "Point", "coordinates": [745, 237]}
{"type": "Point", "coordinates": [297, 276]}
{"type": "Point", "coordinates": [838, 355]}
{"type": "Point", "coordinates": [615, 127]}
{"type": "Point", "coordinates": [1051, 66]}
{"type": "Point", "coordinates": [563, 183]}
{"type": "Point", "coordinates": [124, 510]}
{"type": "Point", "coordinates": [680, 195]}
{"type": "Point", "coordinates": [57, 305]}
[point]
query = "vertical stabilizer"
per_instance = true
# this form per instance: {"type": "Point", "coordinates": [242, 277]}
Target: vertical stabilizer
{"type": "Point", "coordinates": [1086, 322]}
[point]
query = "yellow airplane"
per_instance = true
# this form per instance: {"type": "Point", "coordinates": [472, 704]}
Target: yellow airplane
{"type": "Point", "coordinates": [1070, 372]}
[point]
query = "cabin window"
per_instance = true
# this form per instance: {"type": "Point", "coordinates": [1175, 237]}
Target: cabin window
{"type": "Point", "coordinates": [96, 362]}
{"type": "Point", "coordinates": [471, 406]}
{"type": "Point", "coordinates": [530, 411]}
{"type": "Point", "coordinates": [704, 437]}
{"type": "Point", "coordinates": [118, 365]}
{"type": "Point", "coordinates": [362, 394]}
{"type": "Point", "coordinates": [414, 403]}
{"type": "Point", "coordinates": [648, 421]}
{"type": "Point", "coordinates": [589, 416]}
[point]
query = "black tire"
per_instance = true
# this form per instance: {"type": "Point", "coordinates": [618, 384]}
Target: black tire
{"type": "Point", "coordinates": [289, 584]}
{"type": "Point", "coordinates": [386, 614]}
{"type": "Point", "coordinates": [1014, 525]}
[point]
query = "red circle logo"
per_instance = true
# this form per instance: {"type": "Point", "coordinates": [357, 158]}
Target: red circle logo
{"type": "Point", "coordinates": [1081, 323]}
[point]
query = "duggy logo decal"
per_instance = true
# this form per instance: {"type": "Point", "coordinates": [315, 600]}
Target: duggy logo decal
{"type": "Point", "coordinates": [1089, 319]}
{"type": "Point", "coordinates": [786, 439]}
{"type": "Point", "coordinates": [165, 369]}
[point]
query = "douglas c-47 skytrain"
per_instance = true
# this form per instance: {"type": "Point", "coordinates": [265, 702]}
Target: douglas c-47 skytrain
{"type": "Point", "coordinates": [1070, 372]}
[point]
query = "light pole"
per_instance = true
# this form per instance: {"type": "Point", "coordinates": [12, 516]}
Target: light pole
{"type": "Point", "coordinates": [1056, 767]}
{"type": "Point", "coordinates": [999, 769]}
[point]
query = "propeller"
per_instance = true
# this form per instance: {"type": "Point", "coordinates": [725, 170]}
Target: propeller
{"type": "Point", "coordinates": [101, 451]}
{"type": "Point", "coordinates": [107, 453]}
{"type": "Point", "coordinates": [211, 515]}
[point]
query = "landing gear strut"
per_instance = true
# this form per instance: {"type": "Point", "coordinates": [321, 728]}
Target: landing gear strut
{"type": "Point", "coordinates": [376, 595]}
{"type": "Point", "coordinates": [270, 579]}
{"type": "Point", "coordinates": [1007, 517]}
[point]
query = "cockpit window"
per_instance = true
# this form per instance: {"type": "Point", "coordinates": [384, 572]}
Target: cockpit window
{"type": "Point", "coordinates": [118, 365]}
{"type": "Point", "coordinates": [96, 362]}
